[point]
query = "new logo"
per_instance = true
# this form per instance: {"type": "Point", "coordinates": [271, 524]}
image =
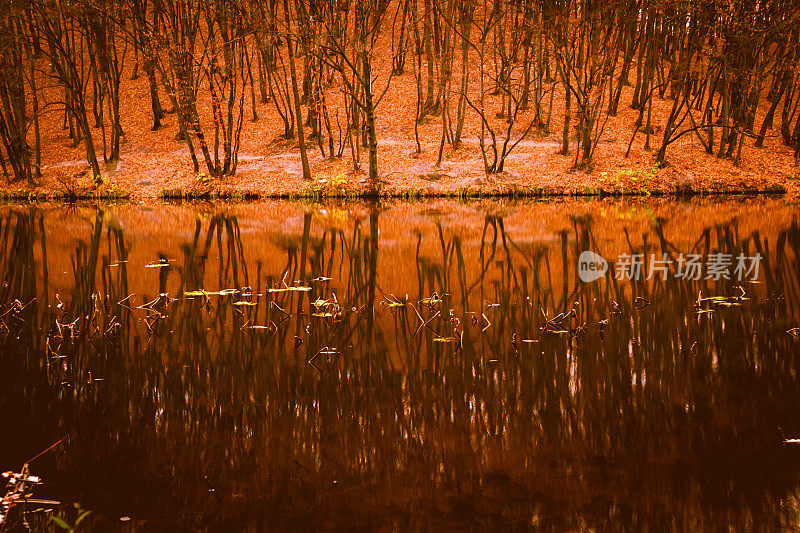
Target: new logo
{"type": "Point", "coordinates": [591, 266]}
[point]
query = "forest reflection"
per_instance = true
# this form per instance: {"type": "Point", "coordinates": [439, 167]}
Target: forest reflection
{"type": "Point", "coordinates": [401, 366]}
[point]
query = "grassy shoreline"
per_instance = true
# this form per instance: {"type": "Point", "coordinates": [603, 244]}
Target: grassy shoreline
{"type": "Point", "coordinates": [312, 193]}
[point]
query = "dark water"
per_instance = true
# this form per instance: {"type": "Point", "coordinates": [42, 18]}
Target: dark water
{"type": "Point", "coordinates": [446, 369]}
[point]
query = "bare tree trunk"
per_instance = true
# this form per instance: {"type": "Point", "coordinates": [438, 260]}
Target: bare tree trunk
{"type": "Point", "coordinates": [296, 93]}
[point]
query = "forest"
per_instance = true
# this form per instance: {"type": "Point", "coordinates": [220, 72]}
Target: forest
{"type": "Point", "coordinates": [514, 265]}
{"type": "Point", "coordinates": [717, 77]}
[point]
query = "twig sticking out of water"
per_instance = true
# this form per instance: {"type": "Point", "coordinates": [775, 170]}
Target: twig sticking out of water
{"type": "Point", "coordinates": [18, 487]}
{"type": "Point", "coordinates": [788, 441]}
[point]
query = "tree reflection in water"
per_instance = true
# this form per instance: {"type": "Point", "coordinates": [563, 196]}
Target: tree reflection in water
{"type": "Point", "coordinates": [445, 371]}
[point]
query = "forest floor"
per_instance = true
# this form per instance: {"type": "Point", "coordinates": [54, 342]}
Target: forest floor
{"type": "Point", "coordinates": [153, 164]}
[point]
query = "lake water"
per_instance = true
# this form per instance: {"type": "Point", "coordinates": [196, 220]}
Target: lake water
{"type": "Point", "coordinates": [402, 366]}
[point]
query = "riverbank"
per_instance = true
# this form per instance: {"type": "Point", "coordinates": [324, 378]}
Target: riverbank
{"type": "Point", "coordinates": [316, 193]}
{"type": "Point", "coordinates": [38, 194]}
{"type": "Point", "coordinates": [319, 190]}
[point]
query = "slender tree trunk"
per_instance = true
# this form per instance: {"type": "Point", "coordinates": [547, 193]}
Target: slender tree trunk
{"type": "Point", "coordinates": [369, 111]}
{"type": "Point", "coordinates": [296, 93]}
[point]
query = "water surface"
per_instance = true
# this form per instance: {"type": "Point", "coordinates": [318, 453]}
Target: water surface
{"type": "Point", "coordinates": [401, 366]}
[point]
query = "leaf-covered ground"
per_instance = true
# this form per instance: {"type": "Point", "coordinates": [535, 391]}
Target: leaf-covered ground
{"type": "Point", "coordinates": [153, 162]}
